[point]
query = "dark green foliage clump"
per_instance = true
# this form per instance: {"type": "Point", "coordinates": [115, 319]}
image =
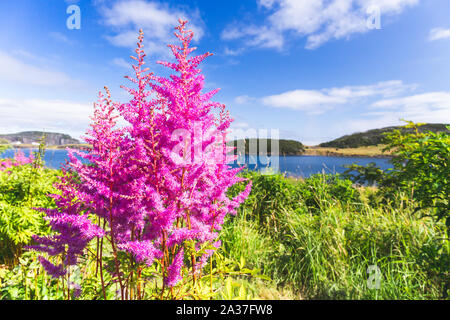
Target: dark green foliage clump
{"type": "Point", "coordinates": [252, 146]}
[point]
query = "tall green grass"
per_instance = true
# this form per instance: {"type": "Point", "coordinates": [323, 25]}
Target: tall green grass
{"type": "Point", "coordinates": [326, 239]}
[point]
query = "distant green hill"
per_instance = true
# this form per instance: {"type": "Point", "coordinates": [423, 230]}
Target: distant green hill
{"type": "Point", "coordinates": [375, 137]}
{"type": "Point", "coordinates": [286, 147]}
{"type": "Point", "coordinates": [29, 137]}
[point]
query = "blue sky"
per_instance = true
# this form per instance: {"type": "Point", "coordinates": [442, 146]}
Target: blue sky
{"type": "Point", "coordinates": [314, 69]}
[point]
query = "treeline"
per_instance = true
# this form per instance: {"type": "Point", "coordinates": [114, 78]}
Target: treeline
{"type": "Point", "coordinates": [252, 146]}
{"type": "Point", "coordinates": [377, 136]}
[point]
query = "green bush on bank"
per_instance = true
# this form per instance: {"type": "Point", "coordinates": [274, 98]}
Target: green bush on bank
{"type": "Point", "coordinates": [23, 188]}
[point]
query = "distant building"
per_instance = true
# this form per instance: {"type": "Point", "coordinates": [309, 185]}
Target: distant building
{"type": "Point", "coordinates": [16, 143]}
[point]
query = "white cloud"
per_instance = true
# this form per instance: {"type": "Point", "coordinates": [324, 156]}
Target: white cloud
{"type": "Point", "coordinates": [49, 115]}
{"type": "Point", "coordinates": [243, 99]}
{"type": "Point", "coordinates": [60, 37]}
{"type": "Point", "coordinates": [232, 33]}
{"type": "Point", "coordinates": [318, 101]}
{"type": "Point", "coordinates": [439, 33]}
{"type": "Point", "coordinates": [255, 36]}
{"type": "Point", "coordinates": [24, 54]}
{"type": "Point", "coordinates": [306, 100]}
{"type": "Point", "coordinates": [232, 52]}
{"type": "Point", "coordinates": [121, 63]}
{"type": "Point", "coordinates": [318, 20]}
{"type": "Point", "coordinates": [425, 107]}
{"type": "Point", "coordinates": [157, 20]}
{"type": "Point", "coordinates": [13, 69]}
{"type": "Point", "coordinates": [266, 3]}
{"type": "Point", "coordinates": [431, 100]}
{"type": "Point", "coordinates": [240, 125]}
{"type": "Point", "coordinates": [431, 107]}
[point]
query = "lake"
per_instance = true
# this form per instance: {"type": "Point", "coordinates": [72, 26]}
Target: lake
{"type": "Point", "coordinates": [299, 166]}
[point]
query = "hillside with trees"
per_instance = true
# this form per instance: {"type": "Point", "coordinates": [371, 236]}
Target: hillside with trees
{"type": "Point", "coordinates": [30, 137]}
{"type": "Point", "coordinates": [376, 136]}
{"type": "Point", "coordinates": [286, 147]}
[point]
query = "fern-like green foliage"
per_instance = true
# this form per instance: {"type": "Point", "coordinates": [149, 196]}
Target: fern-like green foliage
{"type": "Point", "coordinates": [4, 145]}
{"type": "Point", "coordinates": [23, 188]}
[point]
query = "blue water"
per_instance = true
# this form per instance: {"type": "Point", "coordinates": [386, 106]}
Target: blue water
{"type": "Point", "coordinates": [304, 166]}
{"type": "Point", "coordinates": [300, 166]}
{"type": "Point", "coordinates": [53, 158]}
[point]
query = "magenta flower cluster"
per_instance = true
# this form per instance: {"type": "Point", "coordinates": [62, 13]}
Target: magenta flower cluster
{"type": "Point", "coordinates": [154, 185]}
{"type": "Point", "coordinates": [18, 160]}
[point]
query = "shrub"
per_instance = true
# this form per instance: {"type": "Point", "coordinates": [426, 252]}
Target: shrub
{"type": "Point", "coordinates": [322, 188]}
{"type": "Point", "coordinates": [4, 145]}
{"type": "Point", "coordinates": [422, 165]}
{"type": "Point", "coordinates": [421, 161]}
{"type": "Point", "coordinates": [22, 188]}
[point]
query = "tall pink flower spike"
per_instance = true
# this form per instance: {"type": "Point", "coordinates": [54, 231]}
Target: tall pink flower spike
{"type": "Point", "coordinates": [155, 183]}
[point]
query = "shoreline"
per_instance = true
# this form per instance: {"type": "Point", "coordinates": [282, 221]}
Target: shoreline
{"type": "Point", "coordinates": [375, 152]}
{"type": "Point", "coordinates": [347, 155]}
{"type": "Point", "coordinates": [59, 147]}
{"type": "Point", "coordinates": [365, 152]}
{"type": "Point", "coordinates": [336, 155]}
